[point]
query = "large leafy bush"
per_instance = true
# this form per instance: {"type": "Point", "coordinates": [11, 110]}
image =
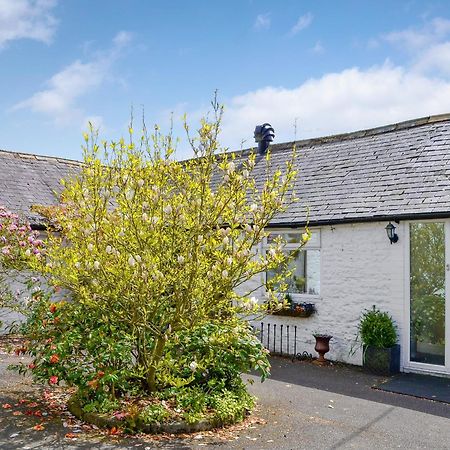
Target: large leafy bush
{"type": "Point", "coordinates": [152, 251]}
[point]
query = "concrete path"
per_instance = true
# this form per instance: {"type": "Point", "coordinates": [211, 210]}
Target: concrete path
{"type": "Point", "coordinates": [301, 407]}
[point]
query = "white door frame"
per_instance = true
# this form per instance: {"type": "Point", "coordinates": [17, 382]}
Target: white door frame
{"type": "Point", "coordinates": [412, 366]}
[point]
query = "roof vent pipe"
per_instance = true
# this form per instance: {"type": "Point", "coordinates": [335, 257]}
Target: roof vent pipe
{"type": "Point", "coordinates": [264, 135]}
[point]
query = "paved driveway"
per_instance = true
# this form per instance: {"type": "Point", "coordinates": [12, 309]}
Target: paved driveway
{"type": "Point", "coordinates": [301, 407]}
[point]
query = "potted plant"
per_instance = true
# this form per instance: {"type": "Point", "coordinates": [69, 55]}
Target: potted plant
{"type": "Point", "coordinates": [378, 334]}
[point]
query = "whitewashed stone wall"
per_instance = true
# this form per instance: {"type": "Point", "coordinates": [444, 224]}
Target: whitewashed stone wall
{"type": "Point", "coordinates": [359, 268]}
{"type": "Point", "coordinates": [16, 284]}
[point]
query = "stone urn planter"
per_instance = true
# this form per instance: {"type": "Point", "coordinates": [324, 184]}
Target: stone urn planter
{"type": "Point", "coordinates": [322, 346]}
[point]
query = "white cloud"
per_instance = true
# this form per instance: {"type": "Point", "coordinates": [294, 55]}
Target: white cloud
{"type": "Point", "coordinates": [428, 46]}
{"type": "Point", "coordinates": [408, 39]}
{"type": "Point", "coordinates": [262, 22]}
{"type": "Point", "coordinates": [97, 122]}
{"type": "Point", "coordinates": [435, 59]}
{"type": "Point", "coordinates": [350, 100]}
{"type": "Point", "coordinates": [302, 23]}
{"type": "Point", "coordinates": [318, 48]}
{"type": "Point", "coordinates": [59, 100]}
{"type": "Point", "coordinates": [354, 98]}
{"type": "Point", "coordinates": [417, 38]}
{"type": "Point", "coordinates": [27, 19]}
{"type": "Point", "coordinates": [373, 44]}
{"type": "Point", "coordinates": [64, 88]}
{"type": "Point", "coordinates": [122, 38]}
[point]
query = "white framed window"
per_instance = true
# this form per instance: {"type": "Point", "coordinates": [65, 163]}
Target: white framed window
{"type": "Point", "coordinates": [305, 264]}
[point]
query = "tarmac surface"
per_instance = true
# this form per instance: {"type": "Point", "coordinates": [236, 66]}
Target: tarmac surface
{"type": "Point", "coordinates": [301, 406]}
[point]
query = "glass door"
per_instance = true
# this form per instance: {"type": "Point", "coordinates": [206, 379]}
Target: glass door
{"type": "Point", "coordinates": [428, 294]}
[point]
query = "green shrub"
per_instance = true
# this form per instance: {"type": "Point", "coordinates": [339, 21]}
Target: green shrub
{"type": "Point", "coordinates": [154, 413]}
{"type": "Point", "coordinates": [101, 405]}
{"type": "Point", "coordinates": [377, 329]}
{"type": "Point", "coordinates": [230, 407]}
{"type": "Point", "coordinates": [207, 401]}
{"type": "Point", "coordinates": [212, 353]}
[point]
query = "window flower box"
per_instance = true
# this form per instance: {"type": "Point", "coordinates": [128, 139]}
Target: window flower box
{"type": "Point", "coordinates": [297, 309]}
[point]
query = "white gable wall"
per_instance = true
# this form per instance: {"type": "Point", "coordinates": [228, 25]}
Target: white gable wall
{"type": "Point", "coordinates": [359, 268]}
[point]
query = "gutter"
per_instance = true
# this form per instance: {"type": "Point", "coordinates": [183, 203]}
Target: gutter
{"type": "Point", "coordinates": [317, 223]}
{"type": "Point", "coordinates": [381, 218]}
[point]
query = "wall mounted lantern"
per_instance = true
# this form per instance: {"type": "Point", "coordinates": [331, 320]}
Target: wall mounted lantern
{"type": "Point", "coordinates": [392, 235]}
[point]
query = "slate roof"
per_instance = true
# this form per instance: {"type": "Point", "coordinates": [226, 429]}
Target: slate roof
{"type": "Point", "coordinates": [27, 180]}
{"type": "Point", "coordinates": [400, 171]}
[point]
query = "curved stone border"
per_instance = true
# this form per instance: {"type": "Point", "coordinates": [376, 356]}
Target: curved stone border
{"type": "Point", "coordinates": [106, 421]}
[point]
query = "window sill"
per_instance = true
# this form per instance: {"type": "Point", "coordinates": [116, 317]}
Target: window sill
{"type": "Point", "coordinates": [306, 298]}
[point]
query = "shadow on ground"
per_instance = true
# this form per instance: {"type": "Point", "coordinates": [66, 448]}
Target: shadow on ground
{"type": "Point", "coordinates": [351, 381]}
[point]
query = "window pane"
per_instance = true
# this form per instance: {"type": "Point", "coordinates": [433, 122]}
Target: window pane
{"type": "Point", "coordinates": [427, 293]}
{"type": "Point", "coordinates": [296, 282]}
{"type": "Point", "coordinates": [313, 272]}
{"type": "Point", "coordinates": [305, 278]}
{"type": "Point", "coordinates": [289, 238]}
{"type": "Point", "coordinates": [295, 237]}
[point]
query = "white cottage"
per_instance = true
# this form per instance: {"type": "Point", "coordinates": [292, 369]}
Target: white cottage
{"type": "Point", "coordinates": [353, 185]}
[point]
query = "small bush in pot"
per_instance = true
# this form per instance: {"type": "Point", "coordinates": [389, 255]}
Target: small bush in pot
{"type": "Point", "coordinates": [378, 334]}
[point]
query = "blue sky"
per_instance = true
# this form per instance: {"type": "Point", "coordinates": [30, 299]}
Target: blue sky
{"type": "Point", "coordinates": [327, 66]}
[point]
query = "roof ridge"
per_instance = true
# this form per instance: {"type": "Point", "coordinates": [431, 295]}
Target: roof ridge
{"type": "Point", "coordinates": [411, 123]}
{"type": "Point", "coordinates": [37, 157]}
{"type": "Point", "coordinates": [383, 129]}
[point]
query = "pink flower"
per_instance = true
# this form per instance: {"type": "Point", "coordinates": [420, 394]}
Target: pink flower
{"type": "Point", "coordinates": [53, 379]}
